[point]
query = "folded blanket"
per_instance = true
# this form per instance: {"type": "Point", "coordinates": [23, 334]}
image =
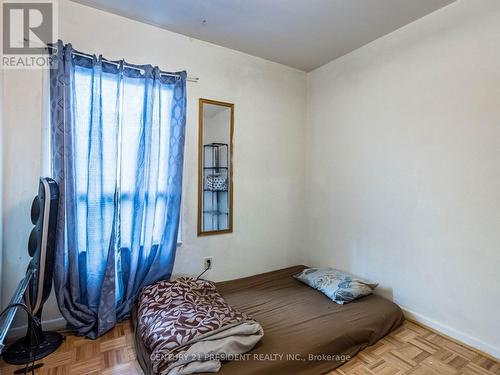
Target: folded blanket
{"type": "Point", "coordinates": [188, 327]}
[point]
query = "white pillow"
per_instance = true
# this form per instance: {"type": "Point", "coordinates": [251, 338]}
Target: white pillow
{"type": "Point", "coordinates": [340, 287]}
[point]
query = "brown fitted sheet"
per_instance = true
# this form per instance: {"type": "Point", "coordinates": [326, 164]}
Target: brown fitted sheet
{"type": "Point", "coordinates": [299, 321]}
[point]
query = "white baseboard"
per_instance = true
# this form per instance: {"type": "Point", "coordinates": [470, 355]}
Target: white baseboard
{"type": "Point", "coordinates": [57, 324]}
{"type": "Point", "coordinates": [453, 333]}
{"type": "Point", "coordinates": [60, 324]}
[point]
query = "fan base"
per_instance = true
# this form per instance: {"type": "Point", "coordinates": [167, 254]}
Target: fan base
{"type": "Point", "coordinates": [18, 353]}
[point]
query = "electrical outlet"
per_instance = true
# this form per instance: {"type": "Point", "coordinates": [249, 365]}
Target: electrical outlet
{"type": "Point", "coordinates": [208, 263]}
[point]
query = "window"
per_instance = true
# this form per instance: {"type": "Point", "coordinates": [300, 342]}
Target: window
{"type": "Point", "coordinates": [129, 112]}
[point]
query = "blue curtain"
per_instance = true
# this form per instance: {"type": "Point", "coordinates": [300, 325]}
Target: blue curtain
{"type": "Point", "coordinates": [117, 144]}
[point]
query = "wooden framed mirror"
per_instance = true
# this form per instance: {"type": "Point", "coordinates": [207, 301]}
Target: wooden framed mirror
{"type": "Point", "coordinates": [215, 167]}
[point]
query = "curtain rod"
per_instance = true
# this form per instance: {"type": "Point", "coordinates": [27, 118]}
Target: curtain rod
{"type": "Point", "coordinates": [189, 78]}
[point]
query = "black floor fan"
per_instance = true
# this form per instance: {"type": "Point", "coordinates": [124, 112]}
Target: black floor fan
{"type": "Point", "coordinates": [41, 247]}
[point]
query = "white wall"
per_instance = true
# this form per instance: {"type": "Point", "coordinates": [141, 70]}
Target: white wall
{"type": "Point", "coordinates": [216, 127]}
{"type": "Point", "coordinates": [21, 140]}
{"type": "Point", "coordinates": [404, 137]}
{"type": "Point", "coordinates": [270, 102]}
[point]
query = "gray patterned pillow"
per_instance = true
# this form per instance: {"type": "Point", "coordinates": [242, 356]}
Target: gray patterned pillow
{"type": "Point", "coordinates": [340, 287]}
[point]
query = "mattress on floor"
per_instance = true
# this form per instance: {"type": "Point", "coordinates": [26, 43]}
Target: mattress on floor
{"type": "Point", "coordinates": [304, 331]}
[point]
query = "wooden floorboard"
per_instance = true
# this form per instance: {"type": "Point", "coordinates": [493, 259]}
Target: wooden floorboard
{"type": "Point", "coordinates": [410, 349]}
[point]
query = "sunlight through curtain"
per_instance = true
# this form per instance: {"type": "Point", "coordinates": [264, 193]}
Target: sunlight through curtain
{"type": "Point", "coordinates": [117, 143]}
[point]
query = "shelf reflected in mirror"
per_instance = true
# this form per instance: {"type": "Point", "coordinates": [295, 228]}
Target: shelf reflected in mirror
{"type": "Point", "coordinates": [215, 167]}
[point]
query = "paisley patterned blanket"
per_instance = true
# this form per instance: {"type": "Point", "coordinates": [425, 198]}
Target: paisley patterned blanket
{"type": "Point", "coordinates": [188, 327]}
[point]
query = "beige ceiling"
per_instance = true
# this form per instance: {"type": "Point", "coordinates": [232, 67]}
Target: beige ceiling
{"type": "Point", "coordinates": [304, 34]}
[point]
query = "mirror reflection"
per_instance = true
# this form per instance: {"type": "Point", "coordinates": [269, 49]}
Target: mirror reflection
{"type": "Point", "coordinates": [215, 167]}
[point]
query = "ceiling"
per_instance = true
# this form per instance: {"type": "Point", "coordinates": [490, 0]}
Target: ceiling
{"type": "Point", "coordinates": [303, 34]}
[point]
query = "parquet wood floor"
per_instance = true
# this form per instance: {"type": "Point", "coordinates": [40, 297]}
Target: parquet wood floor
{"type": "Point", "coordinates": [411, 349]}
